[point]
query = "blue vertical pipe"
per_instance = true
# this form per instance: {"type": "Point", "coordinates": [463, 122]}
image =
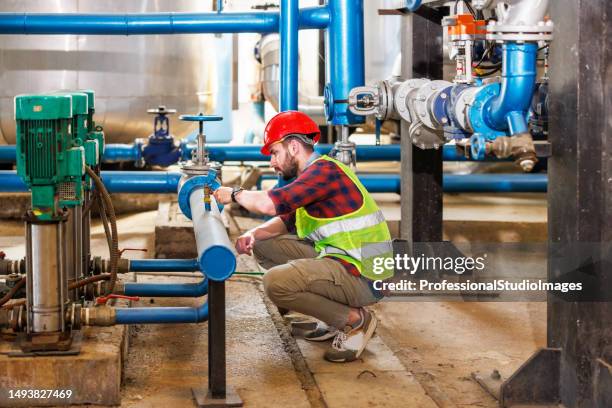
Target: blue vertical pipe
{"type": "Point", "coordinates": [288, 25]}
{"type": "Point", "coordinates": [345, 56]}
{"type": "Point", "coordinates": [508, 109]}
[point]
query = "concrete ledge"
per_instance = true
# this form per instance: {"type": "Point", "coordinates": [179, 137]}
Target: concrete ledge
{"type": "Point", "coordinates": [93, 376]}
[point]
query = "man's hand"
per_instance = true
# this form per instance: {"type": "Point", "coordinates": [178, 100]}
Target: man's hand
{"type": "Point", "coordinates": [223, 195]}
{"type": "Point", "coordinates": [244, 243]}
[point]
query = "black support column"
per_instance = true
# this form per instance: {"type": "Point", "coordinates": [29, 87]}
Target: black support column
{"type": "Point", "coordinates": [218, 393]}
{"type": "Point", "coordinates": [575, 370]}
{"type": "Point", "coordinates": [421, 217]}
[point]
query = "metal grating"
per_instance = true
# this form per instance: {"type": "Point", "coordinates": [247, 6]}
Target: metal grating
{"type": "Point", "coordinates": [40, 149]}
{"type": "Point", "coordinates": [66, 191]}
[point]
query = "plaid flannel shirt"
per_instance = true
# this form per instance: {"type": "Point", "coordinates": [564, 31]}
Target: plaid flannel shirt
{"type": "Point", "coordinates": [324, 191]}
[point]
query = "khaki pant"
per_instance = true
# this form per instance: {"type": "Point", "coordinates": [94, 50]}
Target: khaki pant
{"type": "Point", "coordinates": [321, 288]}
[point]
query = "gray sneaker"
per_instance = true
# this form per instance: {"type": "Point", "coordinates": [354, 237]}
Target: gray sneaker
{"type": "Point", "coordinates": [350, 343]}
{"type": "Point", "coordinates": [322, 332]}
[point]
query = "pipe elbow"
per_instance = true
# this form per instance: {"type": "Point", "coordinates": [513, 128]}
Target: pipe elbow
{"type": "Point", "coordinates": [518, 84]}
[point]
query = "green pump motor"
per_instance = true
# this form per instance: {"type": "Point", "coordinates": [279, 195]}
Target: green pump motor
{"type": "Point", "coordinates": [50, 156]}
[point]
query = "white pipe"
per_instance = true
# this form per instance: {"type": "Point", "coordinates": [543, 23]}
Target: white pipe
{"type": "Point", "coordinates": [523, 12]}
{"type": "Point", "coordinates": [310, 105]}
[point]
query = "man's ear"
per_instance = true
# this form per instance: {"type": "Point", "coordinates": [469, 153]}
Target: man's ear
{"type": "Point", "coordinates": [294, 147]}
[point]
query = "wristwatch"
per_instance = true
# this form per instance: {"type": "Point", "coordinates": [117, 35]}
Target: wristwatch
{"type": "Point", "coordinates": [235, 191]}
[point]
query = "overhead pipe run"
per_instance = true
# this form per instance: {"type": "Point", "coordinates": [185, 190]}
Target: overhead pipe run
{"type": "Point", "coordinates": [156, 23]}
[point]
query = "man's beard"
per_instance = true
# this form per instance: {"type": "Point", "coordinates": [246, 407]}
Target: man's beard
{"type": "Point", "coordinates": [291, 170]}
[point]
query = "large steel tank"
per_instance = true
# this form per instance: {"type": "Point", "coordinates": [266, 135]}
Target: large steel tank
{"type": "Point", "coordinates": [128, 74]}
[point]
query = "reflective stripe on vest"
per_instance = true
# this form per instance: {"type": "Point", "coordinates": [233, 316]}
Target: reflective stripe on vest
{"type": "Point", "coordinates": [357, 238]}
{"type": "Point", "coordinates": [346, 225]}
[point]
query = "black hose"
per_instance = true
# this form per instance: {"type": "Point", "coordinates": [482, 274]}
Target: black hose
{"type": "Point", "coordinates": [106, 204]}
{"type": "Point", "coordinates": [12, 292]}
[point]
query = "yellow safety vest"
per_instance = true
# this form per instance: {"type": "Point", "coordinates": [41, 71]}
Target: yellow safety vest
{"type": "Point", "coordinates": [361, 237]}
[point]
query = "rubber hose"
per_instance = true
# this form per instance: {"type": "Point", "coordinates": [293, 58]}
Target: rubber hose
{"type": "Point", "coordinates": [108, 205]}
{"type": "Point", "coordinates": [12, 292]}
{"type": "Point", "coordinates": [73, 285]}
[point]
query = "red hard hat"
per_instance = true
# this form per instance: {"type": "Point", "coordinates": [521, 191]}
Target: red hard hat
{"type": "Point", "coordinates": [289, 123]}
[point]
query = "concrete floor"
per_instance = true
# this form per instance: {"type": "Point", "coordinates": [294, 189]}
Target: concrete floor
{"type": "Point", "coordinates": [422, 356]}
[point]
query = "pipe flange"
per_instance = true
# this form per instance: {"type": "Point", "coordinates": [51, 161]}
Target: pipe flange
{"type": "Point", "coordinates": [403, 96]}
{"type": "Point", "coordinates": [424, 102]}
{"type": "Point", "coordinates": [424, 137]}
{"type": "Point", "coordinates": [477, 111]}
{"type": "Point", "coordinates": [188, 184]}
{"type": "Point", "coordinates": [328, 102]}
{"type": "Point", "coordinates": [439, 108]}
{"type": "Point", "coordinates": [365, 100]}
{"type": "Point", "coordinates": [464, 99]}
{"type": "Point", "coordinates": [543, 31]}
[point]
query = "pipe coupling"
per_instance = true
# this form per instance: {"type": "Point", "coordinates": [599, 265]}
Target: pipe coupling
{"type": "Point", "coordinates": [98, 316]}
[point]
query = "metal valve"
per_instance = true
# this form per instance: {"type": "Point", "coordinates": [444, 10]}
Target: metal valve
{"type": "Point", "coordinates": [199, 160]}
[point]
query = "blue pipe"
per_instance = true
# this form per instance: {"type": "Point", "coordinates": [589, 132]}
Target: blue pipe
{"type": "Point", "coordinates": [162, 182]}
{"type": "Point", "coordinates": [495, 183]}
{"type": "Point", "coordinates": [289, 20]}
{"type": "Point", "coordinates": [413, 5]}
{"type": "Point", "coordinates": [8, 154]}
{"type": "Point", "coordinates": [458, 183]}
{"type": "Point", "coordinates": [167, 289]}
{"type": "Point", "coordinates": [155, 23]}
{"type": "Point", "coordinates": [225, 152]}
{"type": "Point", "coordinates": [164, 265]}
{"type": "Point", "coordinates": [508, 110]}
{"type": "Point", "coordinates": [345, 59]}
{"type": "Point", "coordinates": [157, 315]}
{"type": "Point", "coordinates": [118, 152]}
{"type": "Point", "coordinates": [141, 181]}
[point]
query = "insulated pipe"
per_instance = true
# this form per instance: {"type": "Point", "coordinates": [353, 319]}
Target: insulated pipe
{"type": "Point", "coordinates": [289, 55]}
{"type": "Point", "coordinates": [215, 251]}
{"type": "Point", "coordinates": [523, 12]}
{"type": "Point", "coordinates": [313, 106]}
{"type": "Point", "coordinates": [161, 182]}
{"type": "Point", "coordinates": [155, 23]}
{"type": "Point", "coordinates": [158, 315]}
{"type": "Point", "coordinates": [345, 57]}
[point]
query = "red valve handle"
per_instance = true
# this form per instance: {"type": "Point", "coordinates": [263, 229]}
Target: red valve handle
{"type": "Point", "coordinates": [103, 299]}
{"type": "Point", "coordinates": [121, 251]}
